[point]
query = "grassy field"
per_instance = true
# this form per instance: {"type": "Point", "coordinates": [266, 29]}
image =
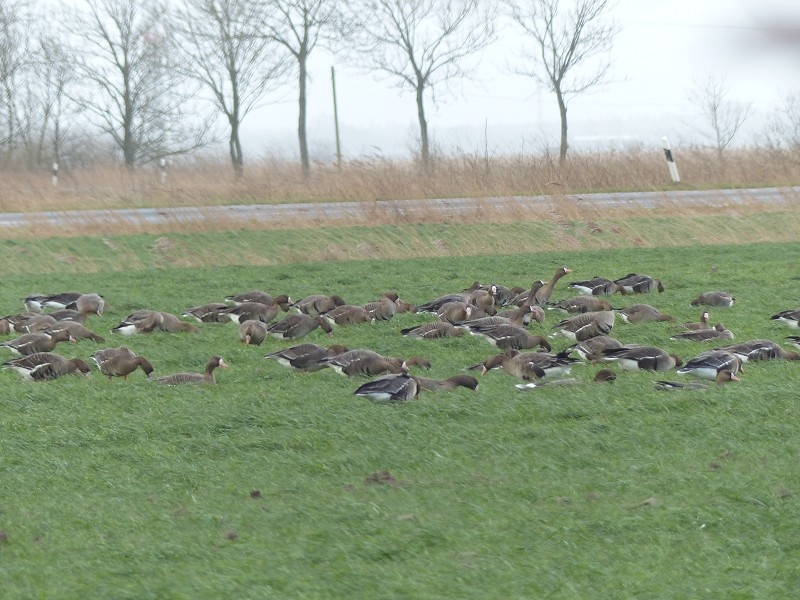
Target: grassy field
{"type": "Point", "coordinates": [285, 485]}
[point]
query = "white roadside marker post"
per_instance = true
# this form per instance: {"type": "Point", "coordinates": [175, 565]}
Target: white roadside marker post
{"type": "Point", "coordinates": [673, 169]}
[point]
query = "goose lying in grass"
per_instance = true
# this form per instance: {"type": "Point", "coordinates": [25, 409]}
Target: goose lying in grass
{"type": "Point", "coordinates": [586, 325]}
{"type": "Point", "coordinates": [642, 358]}
{"type": "Point", "coordinates": [597, 286]}
{"type": "Point", "coordinates": [206, 377]}
{"type": "Point", "coordinates": [44, 366]}
{"type": "Point", "coordinates": [754, 350]}
{"type": "Point", "coordinates": [718, 332]}
{"type": "Point", "coordinates": [702, 323]}
{"type": "Point", "coordinates": [707, 365]}
{"type": "Point", "coordinates": [38, 302]}
{"type": "Point", "coordinates": [790, 318]}
{"type": "Point", "coordinates": [253, 332]}
{"type": "Point", "coordinates": [402, 386]}
{"type": "Point", "coordinates": [722, 378]}
{"type": "Point", "coordinates": [306, 357]}
{"type": "Point", "coordinates": [581, 304]}
{"type": "Point", "coordinates": [529, 365]}
{"type": "Point", "coordinates": [716, 298]}
{"type": "Point", "coordinates": [147, 321]}
{"type": "Point", "coordinates": [433, 330]}
{"type": "Point", "coordinates": [633, 283]}
{"type": "Point", "coordinates": [642, 313]}
{"type": "Point", "coordinates": [602, 376]}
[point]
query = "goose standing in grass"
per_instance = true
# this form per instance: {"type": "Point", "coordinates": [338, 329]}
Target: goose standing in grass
{"type": "Point", "coordinates": [44, 366]}
{"type": "Point", "coordinates": [434, 330]}
{"type": "Point", "coordinates": [755, 350]}
{"type": "Point", "coordinates": [791, 318]}
{"type": "Point", "coordinates": [543, 294]}
{"type": "Point", "coordinates": [346, 315]}
{"type": "Point", "coordinates": [642, 358]}
{"type": "Point", "coordinates": [597, 286]}
{"type": "Point", "coordinates": [365, 363]}
{"type": "Point", "coordinates": [586, 325]}
{"type": "Point", "coordinates": [716, 298]}
{"type": "Point", "coordinates": [250, 311]}
{"type": "Point", "coordinates": [76, 330]}
{"type": "Point", "coordinates": [642, 313]}
{"type": "Point", "coordinates": [722, 378]}
{"type": "Point", "coordinates": [707, 365]}
{"type": "Point", "coordinates": [207, 313]}
{"type": "Point", "coordinates": [718, 332]}
{"type": "Point", "coordinates": [33, 343]}
{"type": "Point", "coordinates": [294, 327]}
{"type": "Point", "coordinates": [120, 362]}
{"type": "Point", "coordinates": [383, 309]}
{"type": "Point", "coordinates": [591, 350]}
{"type": "Point", "coordinates": [206, 377]}
{"type": "Point", "coordinates": [141, 321]}
{"type": "Point", "coordinates": [633, 283]}
{"type": "Point", "coordinates": [253, 332]}
{"type": "Point", "coordinates": [306, 357]}
{"type": "Point", "coordinates": [508, 336]}
{"type": "Point", "coordinates": [390, 388]}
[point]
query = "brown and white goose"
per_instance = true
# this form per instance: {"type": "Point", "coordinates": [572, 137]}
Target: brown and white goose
{"type": "Point", "coordinates": [293, 327]}
{"type": "Point", "coordinates": [253, 332]}
{"type": "Point", "coordinates": [317, 304]}
{"type": "Point", "coordinates": [755, 350]}
{"type": "Point", "coordinates": [38, 302]}
{"type": "Point", "coordinates": [120, 362]}
{"type": "Point", "coordinates": [206, 377]}
{"type": "Point", "coordinates": [597, 286]}
{"type": "Point", "coordinates": [451, 383]}
{"type": "Point", "coordinates": [707, 365]}
{"type": "Point", "coordinates": [306, 357]}
{"type": "Point", "coordinates": [262, 297]}
{"type": "Point", "coordinates": [433, 330]}
{"type": "Point", "coordinates": [390, 388]}
{"type": "Point", "coordinates": [581, 304]}
{"type": "Point", "coordinates": [33, 343]}
{"type": "Point", "coordinates": [722, 378]}
{"type": "Point", "coordinates": [716, 298]}
{"type": "Point", "coordinates": [207, 313]}
{"type": "Point", "coordinates": [642, 313]}
{"type": "Point", "coordinates": [346, 315]}
{"type": "Point", "coordinates": [718, 332]}
{"type": "Point", "coordinates": [76, 330]}
{"type": "Point", "coordinates": [642, 358]}
{"type": "Point", "coordinates": [634, 283]}
{"type": "Point", "coordinates": [362, 362]}
{"type": "Point", "coordinates": [703, 323]}
{"type": "Point", "coordinates": [591, 350]}
{"type": "Point", "coordinates": [790, 318]}
{"type": "Point", "coordinates": [543, 294]}
{"type": "Point", "coordinates": [45, 366]}
{"type": "Point", "coordinates": [250, 311]}
{"type": "Point", "coordinates": [586, 325]}
{"type": "Point", "coordinates": [508, 336]}
{"type": "Point", "coordinates": [529, 365]}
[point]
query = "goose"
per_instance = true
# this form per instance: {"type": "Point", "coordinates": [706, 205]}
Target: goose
{"type": "Point", "coordinates": [306, 357]}
{"type": "Point", "coordinates": [207, 376]}
{"type": "Point", "coordinates": [467, 381]}
{"type": "Point", "coordinates": [718, 299]}
{"type": "Point", "coordinates": [317, 304]}
{"type": "Point", "coordinates": [365, 363]}
{"type": "Point", "coordinates": [390, 388]}
{"type": "Point", "coordinates": [586, 325]}
{"type": "Point", "coordinates": [44, 366]}
{"type": "Point", "coordinates": [207, 313]}
{"type": "Point", "coordinates": [591, 350]}
{"type": "Point", "coordinates": [29, 322]}
{"type": "Point", "coordinates": [347, 314]}
{"type": "Point", "coordinates": [433, 330]}
{"type": "Point", "coordinates": [788, 317]}
{"type": "Point", "coordinates": [508, 336]}
{"type": "Point", "coordinates": [250, 311]}
{"type": "Point", "coordinates": [754, 350]}
{"type": "Point", "coordinates": [597, 286]}
{"type": "Point", "coordinates": [293, 327]}
{"type": "Point", "coordinates": [633, 283]}
{"type": "Point", "coordinates": [456, 312]}
{"type": "Point", "coordinates": [794, 340]}
{"type": "Point", "coordinates": [38, 302]}
{"type": "Point", "coordinates": [581, 304]}
{"type": "Point", "coordinates": [120, 362]}
{"type": "Point", "coordinates": [722, 378]}
{"type": "Point", "coordinates": [707, 365]}
{"type": "Point", "coordinates": [33, 343]}
{"type": "Point", "coordinates": [602, 376]}
{"type": "Point", "coordinates": [703, 323]}
{"type": "Point", "coordinates": [253, 332]}
{"type": "Point", "coordinates": [282, 300]}
{"type": "Point", "coordinates": [543, 294]}
{"type": "Point", "coordinates": [523, 315]}
{"type": "Point", "coordinates": [718, 332]}
{"type": "Point", "coordinates": [172, 324]}
{"type": "Point", "coordinates": [526, 296]}
{"type": "Point", "coordinates": [86, 304]}
{"type": "Point", "coordinates": [641, 358]}
{"type": "Point", "coordinates": [642, 313]}
{"type": "Point", "coordinates": [141, 321]}
{"type": "Point", "coordinates": [76, 330]}
{"type": "Point", "coordinates": [435, 305]}
{"type": "Point", "coordinates": [529, 365]}
{"type": "Point", "coordinates": [383, 309]}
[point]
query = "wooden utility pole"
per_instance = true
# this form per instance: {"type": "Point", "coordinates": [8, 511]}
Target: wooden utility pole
{"type": "Point", "coordinates": [336, 121]}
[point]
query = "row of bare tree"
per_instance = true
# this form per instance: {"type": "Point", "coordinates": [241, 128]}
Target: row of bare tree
{"type": "Point", "coordinates": [153, 76]}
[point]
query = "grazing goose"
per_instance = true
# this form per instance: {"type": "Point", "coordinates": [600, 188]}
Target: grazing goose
{"type": "Point", "coordinates": [639, 284]}
{"type": "Point", "coordinates": [543, 294]}
{"type": "Point", "coordinates": [703, 323]}
{"type": "Point", "coordinates": [722, 378]}
{"type": "Point", "coordinates": [317, 304]}
{"type": "Point", "coordinates": [591, 350]}
{"type": "Point", "coordinates": [44, 366]}
{"type": "Point", "coordinates": [172, 324]}
{"type": "Point", "coordinates": [788, 317]}
{"type": "Point", "coordinates": [754, 350]}
{"type": "Point", "coordinates": [581, 304]}
{"type": "Point", "coordinates": [507, 336]}
{"type": "Point", "coordinates": [250, 311]}
{"type": "Point", "coordinates": [207, 313]}
{"type": "Point", "coordinates": [707, 365]}
{"type": "Point", "coordinates": [718, 299]}
{"type": "Point", "coordinates": [642, 313]}
{"type": "Point", "coordinates": [306, 357]}
{"type": "Point", "coordinates": [253, 332]}
{"type": "Point", "coordinates": [642, 358]}
{"type": "Point", "coordinates": [467, 381]}
{"type": "Point", "coordinates": [597, 286]}
{"type": "Point", "coordinates": [602, 376]}
{"type": "Point", "coordinates": [364, 363]}
{"type": "Point", "coordinates": [435, 305]}
{"type": "Point", "coordinates": [38, 302]}
{"type": "Point", "coordinates": [383, 309]}
{"type": "Point", "coordinates": [86, 304]}
{"type": "Point", "coordinates": [120, 362]}
{"type": "Point", "coordinates": [29, 322]}
{"type": "Point", "coordinates": [586, 325]}
{"type": "Point", "coordinates": [794, 340]}
{"type": "Point", "coordinates": [141, 321]}
{"type": "Point", "coordinates": [33, 343]}
{"type": "Point", "coordinates": [206, 376]}
{"type": "Point", "coordinates": [262, 297]}
{"type": "Point", "coordinates": [433, 330]}
{"type": "Point", "coordinates": [76, 330]}
{"type": "Point", "coordinates": [456, 312]}
{"type": "Point", "coordinates": [718, 332]}
{"type": "Point", "coordinates": [347, 314]}
{"type": "Point", "coordinates": [390, 388]}
{"type": "Point", "coordinates": [529, 365]}
{"type": "Point", "coordinates": [293, 327]}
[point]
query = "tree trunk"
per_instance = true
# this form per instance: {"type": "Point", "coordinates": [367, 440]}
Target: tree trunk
{"type": "Point", "coordinates": [423, 126]}
{"type": "Point", "coordinates": [562, 111]}
{"type": "Point", "coordinates": [235, 146]}
{"type": "Point", "coordinates": [301, 120]}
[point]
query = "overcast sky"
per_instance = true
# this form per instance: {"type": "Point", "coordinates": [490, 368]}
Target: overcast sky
{"type": "Point", "coordinates": [664, 46]}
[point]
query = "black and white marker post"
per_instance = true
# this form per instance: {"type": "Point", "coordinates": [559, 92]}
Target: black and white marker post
{"type": "Point", "coordinates": [673, 169]}
{"type": "Point", "coordinates": [55, 174]}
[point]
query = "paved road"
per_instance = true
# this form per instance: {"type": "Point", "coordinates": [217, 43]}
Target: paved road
{"type": "Point", "coordinates": [322, 211]}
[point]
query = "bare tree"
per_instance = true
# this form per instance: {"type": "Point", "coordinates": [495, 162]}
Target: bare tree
{"type": "Point", "coordinates": [133, 91]}
{"type": "Point", "coordinates": [783, 126]}
{"type": "Point", "coordinates": [15, 22]}
{"type": "Point", "coordinates": [565, 35]}
{"type": "Point", "coordinates": [422, 44]}
{"type": "Point", "coordinates": [724, 117]}
{"type": "Point", "coordinates": [225, 50]}
{"type": "Point", "coordinates": [298, 25]}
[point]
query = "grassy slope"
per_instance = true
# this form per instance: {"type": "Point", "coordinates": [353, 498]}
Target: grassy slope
{"type": "Point", "coordinates": [128, 490]}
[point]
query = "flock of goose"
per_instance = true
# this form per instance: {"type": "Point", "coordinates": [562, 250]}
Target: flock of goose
{"type": "Point", "coordinates": [502, 315]}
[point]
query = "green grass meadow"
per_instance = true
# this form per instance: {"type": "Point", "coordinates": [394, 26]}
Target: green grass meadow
{"type": "Point", "coordinates": [275, 484]}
